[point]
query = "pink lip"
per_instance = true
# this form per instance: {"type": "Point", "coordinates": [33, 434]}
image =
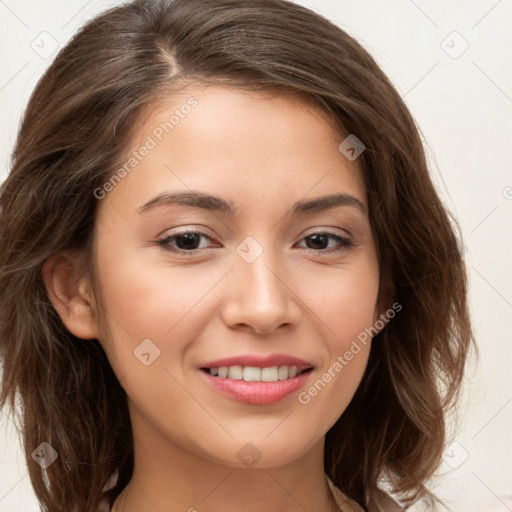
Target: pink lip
{"type": "Point", "coordinates": [259, 393]}
{"type": "Point", "coordinates": [259, 362]}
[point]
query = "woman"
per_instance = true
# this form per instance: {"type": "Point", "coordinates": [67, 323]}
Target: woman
{"type": "Point", "coordinates": [176, 333]}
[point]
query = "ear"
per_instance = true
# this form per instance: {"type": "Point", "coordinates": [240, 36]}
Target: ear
{"type": "Point", "coordinates": [70, 294]}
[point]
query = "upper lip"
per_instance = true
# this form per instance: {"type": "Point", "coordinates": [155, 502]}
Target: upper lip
{"type": "Point", "coordinates": [259, 361]}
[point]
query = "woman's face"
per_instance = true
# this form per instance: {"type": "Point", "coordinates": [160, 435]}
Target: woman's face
{"type": "Point", "coordinates": [213, 246]}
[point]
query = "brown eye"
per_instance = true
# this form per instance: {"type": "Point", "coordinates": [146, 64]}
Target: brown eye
{"type": "Point", "coordinates": [185, 242]}
{"type": "Point", "coordinates": [320, 242]}
{"type": "Point", "coordinates": [188, 241]}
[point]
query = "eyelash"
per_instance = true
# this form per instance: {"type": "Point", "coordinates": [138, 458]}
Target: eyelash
{"type": "Point", "coordinates": [345, 244]}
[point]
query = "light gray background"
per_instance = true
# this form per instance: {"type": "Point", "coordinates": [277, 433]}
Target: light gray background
{"type": "Point", "coordinates": [462, 101]}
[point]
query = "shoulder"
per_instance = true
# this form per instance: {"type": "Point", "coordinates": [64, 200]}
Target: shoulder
{"type": "Point", "coordinates": [385, 503]}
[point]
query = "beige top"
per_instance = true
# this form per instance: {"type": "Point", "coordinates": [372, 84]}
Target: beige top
{"type": "Point", "coordinates": [384, 502]}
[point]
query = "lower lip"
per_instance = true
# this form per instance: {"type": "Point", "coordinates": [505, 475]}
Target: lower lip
{"type": "Point", "coordinates": [259, 393]}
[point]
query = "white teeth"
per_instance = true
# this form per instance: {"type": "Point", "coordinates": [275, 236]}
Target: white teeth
{"type": "Point", "coordinates": [270, 374]}
{"type": "Point", "coordinates": [254, 374]}
{"type": "Point", "coordinates": [283, 372]}
{"type": "Point", "coordinates": [235, 372]}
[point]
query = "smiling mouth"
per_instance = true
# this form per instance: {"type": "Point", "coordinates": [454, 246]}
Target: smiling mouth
{"type": "Point", "coordinates": [255, 374]}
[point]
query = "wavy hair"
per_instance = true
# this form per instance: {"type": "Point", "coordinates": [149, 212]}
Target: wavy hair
{"type": "Point", "coordinates": [79, 121]}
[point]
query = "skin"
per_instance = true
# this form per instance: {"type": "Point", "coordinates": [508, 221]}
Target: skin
{"type": "Point", "coordinates": [262, 153]}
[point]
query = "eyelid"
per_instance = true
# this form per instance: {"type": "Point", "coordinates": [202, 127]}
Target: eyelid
{"type": "Point", "coordinates": [189, 228]}
{"type": "Point", "coordinates": [208, 233]}
{"type": "Point", "coordinates": [327, 231]}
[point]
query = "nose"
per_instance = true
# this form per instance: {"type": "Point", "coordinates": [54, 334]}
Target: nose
{"type": "Point", "coordinates": [260, 297]}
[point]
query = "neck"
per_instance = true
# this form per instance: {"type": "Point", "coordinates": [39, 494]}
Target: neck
{"type": "Point", "coordinates": [169, 478]}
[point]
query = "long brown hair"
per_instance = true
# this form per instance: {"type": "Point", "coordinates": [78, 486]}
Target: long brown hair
{"type": "Point", "coordinates": [73, 134]}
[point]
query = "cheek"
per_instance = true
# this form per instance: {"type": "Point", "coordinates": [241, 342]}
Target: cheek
{"type": "Point", "coordinates": [346, 304]}
{"type": "Point", "coordinates": [347, 342]}
{"type": "Point", "coordinates": [145, 294]}
{"type": "Point", "coordinates": [352, 307]}
{"type": "Point", "coordinates": [153, 312]}
{"type": "Point", "coordinates": [344, 298]}
{"type": "Point", "coordinates": [146, 300]}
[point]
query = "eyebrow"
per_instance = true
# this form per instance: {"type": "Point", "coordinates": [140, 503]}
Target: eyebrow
{"type": "Point", "coordinates": [217, 204]}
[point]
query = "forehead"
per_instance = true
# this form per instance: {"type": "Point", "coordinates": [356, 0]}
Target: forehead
{"type": "Point", "coordinates": [246, 146]}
